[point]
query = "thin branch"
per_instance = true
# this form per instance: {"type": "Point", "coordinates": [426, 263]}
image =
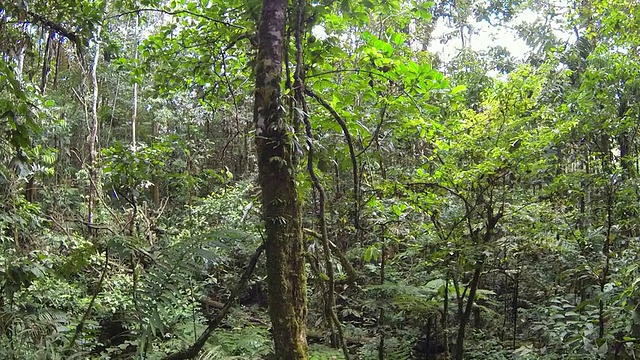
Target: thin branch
{"type": "Point", "coordinates": [346, 265]}
{"type": "Point", "coordinates": [451, 191]}
{"type": "Point", "coordinates": [374, 73]}
{"type": "Point", "coordinates": [87, 312]}
{"type": "Point", "coordinates": [302, 113]}
{"type": "Point", "coordinates": [193, 351]}
{"type": "Point", "coordinates": [62, 228]}
{"type": "Point", "coordinates": [75, 92]}
{"type": "Point", "coordinates": [95, 226]}
{"type": "Point", "coordinates": [174, 13]}
{"type": "Point", "coordinates": [252, 40]}
{"type": "Point", "coordinates": [376, 133]}
{"type": "Point", "coordinates": [225, 78]}
{"type": "Point", "coordinates": [352, 152]}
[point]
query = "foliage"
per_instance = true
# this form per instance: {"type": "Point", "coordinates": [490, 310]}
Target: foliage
{"type": "Point", "coordinates": [483, 206]}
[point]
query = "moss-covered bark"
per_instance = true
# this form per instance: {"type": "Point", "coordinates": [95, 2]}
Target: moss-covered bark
{"type": "Point", "coordinates": [281, 210]}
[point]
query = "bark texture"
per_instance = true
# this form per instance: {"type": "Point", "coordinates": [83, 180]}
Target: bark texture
{"type": "Point", "coordinates": [281, 209]}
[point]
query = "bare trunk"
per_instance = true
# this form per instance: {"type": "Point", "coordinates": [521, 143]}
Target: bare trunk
{"type": "Point", "coordinates": [94, 171]}
{"type": "Point", "coordinates": [46, 63]}
{"type": "Point", "coordinates": [491, 223]}
{"type": "Point", "coordinates": [55, 73]}
{"type": "Point", "coordinates": [155, 188]}
{"type": "Point", "coordinates": [32, 189]}
{"type": "Point", "coordinates": [134, 112]}
{"type": "Point", "coordinates": [381, 322]}
{"type": "Point", "coordinates": [466, 315]}
{"type": "Point", "coordinates": [22, 50]}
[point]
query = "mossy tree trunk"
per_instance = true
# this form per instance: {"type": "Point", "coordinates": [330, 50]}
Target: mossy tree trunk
{"type": "Point", "coordinates": [281, 209]}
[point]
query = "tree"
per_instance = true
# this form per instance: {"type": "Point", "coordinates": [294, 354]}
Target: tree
{"type": "Point", "coordinates": [275, 148]}
{"type": "Point", "coordinates": [489, 213]}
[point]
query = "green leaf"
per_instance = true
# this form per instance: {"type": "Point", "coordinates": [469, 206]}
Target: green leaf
{"type": "Point", "coordinates": [397, 38]}
{"type": "Point", "coordinates": [603, 349]}
{"type": "Point", "coordinates": [458, 89]}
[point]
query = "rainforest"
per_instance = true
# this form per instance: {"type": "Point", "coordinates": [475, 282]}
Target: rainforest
{"type": "Point", "coordinates": [319, 179]}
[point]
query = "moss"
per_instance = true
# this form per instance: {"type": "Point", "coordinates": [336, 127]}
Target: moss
{"type": "Point", "coordinates": [280, 205]}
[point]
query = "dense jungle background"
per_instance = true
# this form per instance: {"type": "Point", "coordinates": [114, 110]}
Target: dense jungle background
{"type": "Point", "coordinates": [408, 186]}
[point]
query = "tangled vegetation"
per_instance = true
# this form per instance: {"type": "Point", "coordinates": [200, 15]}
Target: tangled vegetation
{"type": "Point", "coordinates": [311, 180]}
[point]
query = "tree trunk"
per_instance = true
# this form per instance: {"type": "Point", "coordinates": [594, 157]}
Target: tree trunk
{"type": "Point", "coordinates": [286, 279]}
{"type": "Point", "coordinates": [134, 107]}
{"type": "Point", "coordinates": [155, 188]}
{"type": "Point", "coordinates": [94, 170]}
{"type": "Point", "coordinates": [491, 222]}
{"type": "Point", "coordinates": [464, 320]}
{"type": "Point", "coordinates": [31, 191]}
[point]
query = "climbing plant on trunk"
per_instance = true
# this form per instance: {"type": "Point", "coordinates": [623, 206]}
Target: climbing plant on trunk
{"type": "Point", "coordinates": [280, 206]}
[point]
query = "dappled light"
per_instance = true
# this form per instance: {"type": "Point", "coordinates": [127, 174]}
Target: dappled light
{"type": "Point", "coordinates": [294, 180]}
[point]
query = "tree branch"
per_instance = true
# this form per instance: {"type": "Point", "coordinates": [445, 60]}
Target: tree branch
{"type": "Point", "coordinates": [352, 276]}
{"type": "Point", "coordinates": [372, 73]}
{"type": "Point", "coordinates": [352, 152]}
{"type": "Point", "coordinates": [72, 36]}
{"type": "Point", "coordinates": [177, 12]}
{"type": "Point", "coordinates": [85, 316]}
{"type": "Point", "coordinates": [193, 351]}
